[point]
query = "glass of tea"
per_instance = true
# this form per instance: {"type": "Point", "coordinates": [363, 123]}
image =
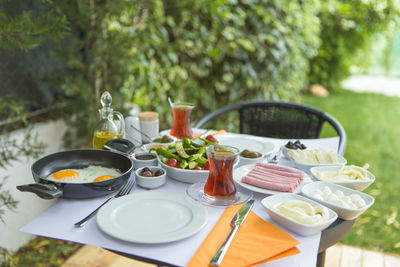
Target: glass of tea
{"type": "Point", "coordinates": [220, 184]}
{"type": "Point", "coordinates": [181, 127]}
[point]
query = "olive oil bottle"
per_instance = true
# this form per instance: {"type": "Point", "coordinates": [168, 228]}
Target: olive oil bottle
{"type": "Point", "coordinates": [108, 129]}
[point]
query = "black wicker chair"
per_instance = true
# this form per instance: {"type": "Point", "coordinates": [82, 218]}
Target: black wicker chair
{"type": "Point", "coordinates": [280, 120]}
{"type": "Point", "coordinates": [286, 120]}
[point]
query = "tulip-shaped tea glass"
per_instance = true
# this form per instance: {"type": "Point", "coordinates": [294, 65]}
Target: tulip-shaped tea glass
{"type": "Point", "coordinates": [181, 127]}
{"type": "Point", "coordinates": [220, 188]}
{"type": "Point", "coordinates": [220, 184]}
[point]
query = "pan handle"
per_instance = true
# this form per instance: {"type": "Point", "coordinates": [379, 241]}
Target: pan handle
{"type": "Point", "coordinates": [122, 145]}
{"type": "Point", "coordinates": [46, 191]}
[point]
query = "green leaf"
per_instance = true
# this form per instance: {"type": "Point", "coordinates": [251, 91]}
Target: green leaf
{"type": "Point", "coordinates": [246, 44]}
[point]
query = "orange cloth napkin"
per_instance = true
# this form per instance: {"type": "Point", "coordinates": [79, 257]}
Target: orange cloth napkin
{"type": "Point", "coordinates": [256, 242]}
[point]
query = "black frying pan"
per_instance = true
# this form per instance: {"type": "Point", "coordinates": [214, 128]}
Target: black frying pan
{"type": "Point", "coordinates": [77, 159]}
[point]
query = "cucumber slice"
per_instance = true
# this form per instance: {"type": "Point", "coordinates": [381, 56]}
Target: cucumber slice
{"type": "Point", "coordinates": [183, 164]}
{"type": "Point", "coordinates": [192, 164]}
{"type": "Point", "coordinates": [180, 150]}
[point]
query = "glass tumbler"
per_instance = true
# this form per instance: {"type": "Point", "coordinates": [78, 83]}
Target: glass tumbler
{"type": "Point", "coordinates": [220, 184]}
{"type": "Point", "coordinates": [181, 127]}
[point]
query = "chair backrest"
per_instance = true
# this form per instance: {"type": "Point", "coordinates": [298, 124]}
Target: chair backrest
{"type": "Point", "coordinates": [280, 120]}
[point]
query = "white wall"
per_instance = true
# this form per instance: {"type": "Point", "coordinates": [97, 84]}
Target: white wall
{"type": "Point", "coordinates": [30, 205]}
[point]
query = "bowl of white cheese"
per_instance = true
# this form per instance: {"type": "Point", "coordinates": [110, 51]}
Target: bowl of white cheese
{"type": "Point", "coordinates": [298, 214]}
{"type": "Point", "coordinates": [350, 176]}
{"type": "Point", "coordinates": [307, 158]}
{"type": "Point", "coordinates": [346, 202]}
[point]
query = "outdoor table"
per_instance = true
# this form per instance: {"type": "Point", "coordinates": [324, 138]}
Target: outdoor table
{"type": "Point", "coordinates": [58, 222]}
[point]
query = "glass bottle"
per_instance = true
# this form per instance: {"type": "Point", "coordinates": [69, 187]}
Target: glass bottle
{"type": "Point", "coordinates": [107, 129]}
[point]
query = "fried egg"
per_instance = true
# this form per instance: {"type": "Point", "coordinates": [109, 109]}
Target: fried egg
{"type": "Point", "coordinates": [90, 174]}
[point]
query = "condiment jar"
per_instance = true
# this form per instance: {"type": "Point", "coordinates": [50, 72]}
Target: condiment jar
{"type": "Point", "coordinates": [132, 130]}
{"type": "Point", "coordinates": [148, 125]}
{"type": "Point", "coordinates": [107, 129]}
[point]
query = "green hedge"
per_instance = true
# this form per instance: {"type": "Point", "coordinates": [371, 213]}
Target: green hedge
{"type": "Point", "coordinates": [207, 52]}
{"type": "Point", "coordinates": [347, 35]}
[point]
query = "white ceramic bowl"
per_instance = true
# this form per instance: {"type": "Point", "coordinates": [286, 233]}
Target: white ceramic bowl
{"type": "Point", "coordinates": [285, 152]}
{"type": "Point", "coordinates": [139, 163]}
{"type": "Point", "coordinates": [301, 229]}
{"type": "Point", "coordinates": [246, 161]}
{"type": "Point", "coordinates": [150, 146]}
{"type": "Point", "coordinates": [344, 213]}
{"type": "Point", "coordinates": [358, 185]}
{"type": "Point", "coordinates": [150, 182]}
{"type": "Point", "coordinates": [185, 175]}
{"type": "Point", "coordinates": [307, 167]}
{"type": "Point", "coordinates": [163, 144]}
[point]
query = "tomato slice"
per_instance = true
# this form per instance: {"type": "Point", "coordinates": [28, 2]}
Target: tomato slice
{"type": "Point", "coordinates": [172, 162]}
{"type": "Point", "coordinates": [197, 168]}
{"type": "Point", "coordinates": [211, 138]}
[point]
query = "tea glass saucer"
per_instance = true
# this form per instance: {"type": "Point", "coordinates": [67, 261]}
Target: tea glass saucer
{"type": "Point", "coordinates": [196, 192]}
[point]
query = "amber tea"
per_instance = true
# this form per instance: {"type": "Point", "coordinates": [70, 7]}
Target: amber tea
{"type": "Point", "coordinates": [220, 184]}
{"type": "Point", "coordinates": [181, 127]}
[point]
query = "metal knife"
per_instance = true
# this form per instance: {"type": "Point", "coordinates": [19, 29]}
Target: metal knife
{"type": "Point", "coordinates": [237, 220]}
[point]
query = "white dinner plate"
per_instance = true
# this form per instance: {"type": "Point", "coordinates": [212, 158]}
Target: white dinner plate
{"type": "Point", "coordinates": [247, 142]}
{"type": "Point", "coordinates": [151, 217]}
{"type": "Point", "coordinates": [243, 170]}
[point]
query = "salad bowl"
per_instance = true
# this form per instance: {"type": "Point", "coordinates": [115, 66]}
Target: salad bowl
{"type": "Point", "coordinates": [184, 175]}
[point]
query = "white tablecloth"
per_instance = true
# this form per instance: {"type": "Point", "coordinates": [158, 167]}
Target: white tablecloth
{"type": "Point", "coordinates": [58, 222]}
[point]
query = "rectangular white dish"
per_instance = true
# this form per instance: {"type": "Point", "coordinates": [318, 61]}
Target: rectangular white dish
{"type": "Point", "coordinates": [307, 167]}
{"type": "Point", "coordinates": [358, 185]}
{"type": "Point", "coordinates": [302, 229]}
{"type": "Point", "coordinates": [344, 213]}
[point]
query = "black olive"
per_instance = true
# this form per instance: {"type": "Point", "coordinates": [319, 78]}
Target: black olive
{"type": "Point", "coordinates": [146, 169]}
{"type": "Point", "coordinates": [296, 145]}
{"type": "Point", "coordinates": [147, 173]}
{"type": "Point", "coordinates": [290, 145]}
{"type": "Point", "coordinates": [159, 173]}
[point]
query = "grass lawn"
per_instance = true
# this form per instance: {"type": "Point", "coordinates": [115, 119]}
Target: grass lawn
{"type": "Point", "coordinates": [41, 252]}
{"type": "Point", "coordinates": [372, 123]}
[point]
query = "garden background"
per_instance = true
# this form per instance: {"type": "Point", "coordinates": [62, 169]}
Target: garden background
{"type": "Point", "coordinates": [57, 57]}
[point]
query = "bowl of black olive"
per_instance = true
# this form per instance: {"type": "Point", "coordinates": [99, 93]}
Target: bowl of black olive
{"type": "Point", "coordinates": [292, 146]}
{"type": "Point", "coordinates": [150, 177]}
{"type": "Point", "coordinates": [249, 157]}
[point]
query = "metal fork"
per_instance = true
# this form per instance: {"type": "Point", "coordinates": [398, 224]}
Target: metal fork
{"type": "Point", "coordinates": [123, 191]}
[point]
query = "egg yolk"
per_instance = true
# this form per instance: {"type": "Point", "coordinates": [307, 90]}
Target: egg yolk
{"type": "Point", "coordinates": [65, 175]}
{"type": "Point", "coordinates": [103, 178]}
